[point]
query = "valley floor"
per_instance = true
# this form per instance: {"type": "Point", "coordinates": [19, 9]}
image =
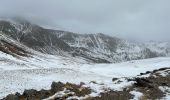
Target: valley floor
{"type": "Point", "coordinates": [16, 76]}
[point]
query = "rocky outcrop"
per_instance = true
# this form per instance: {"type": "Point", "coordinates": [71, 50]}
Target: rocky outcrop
{"type": "Point", "coordinates": [11, 47]}
{"type": "Point", "coordinates": [149, 86]}
{"type": "Point", "coordinates": [67, 90]}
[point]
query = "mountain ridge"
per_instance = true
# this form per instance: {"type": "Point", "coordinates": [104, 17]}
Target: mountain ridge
{"type": "Point", "coordinates": [98, 48]}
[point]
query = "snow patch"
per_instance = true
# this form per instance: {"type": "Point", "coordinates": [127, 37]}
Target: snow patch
{"type": "Point", "coordinates": [137, 95]}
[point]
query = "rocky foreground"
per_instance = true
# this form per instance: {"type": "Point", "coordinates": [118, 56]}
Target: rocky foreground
{"type": "Point", "coordinates": [150, 85]}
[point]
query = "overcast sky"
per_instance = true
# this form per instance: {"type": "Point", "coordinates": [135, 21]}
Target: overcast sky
{"type": "Point", "coordinates": [149, 19]}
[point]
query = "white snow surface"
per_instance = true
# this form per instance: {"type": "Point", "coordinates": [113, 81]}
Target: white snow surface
{"type": "Point", "coordinates": [137, 95]}
{"type": "Point", "coordinates": [167, 90]}
{"type": "Point", "coordinates": [39, 71]}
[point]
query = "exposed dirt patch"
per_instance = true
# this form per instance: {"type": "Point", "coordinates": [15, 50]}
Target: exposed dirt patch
{"type": "Point", "coordinates": [12, 49]}
{"type": "Point", "coordinates": [113, 95]}
{"type": "Point", "coordinates": [149, 86]}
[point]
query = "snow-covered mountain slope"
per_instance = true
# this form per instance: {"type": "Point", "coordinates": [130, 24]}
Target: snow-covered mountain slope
{"type": "Point", "coordinates": [14, 55]}
{"type": "Point", "coordinates": [98, 48]}
{"type": "Point", "coordinates": [114, 49]}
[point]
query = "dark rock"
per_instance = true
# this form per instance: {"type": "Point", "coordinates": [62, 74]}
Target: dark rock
{"type": "Point", "coordinates": [11, 97]}
{"type": "Point", "coordinates": [44, 94]}
{"type": "Point", "coordinates": [148, 72]}
{"type": "Point", "coordinates": [154, 71]}
{"type": "Point", "coordinates": [114, 79]}
{"type": "Point", "coordinates": [162, 69]}
{"type": "Point", "coordinates": [141, 82]}
{"type": "Point", "coordinates": [164, 84]}
{"type": "Point", "coordinates": [114, 95]}
{"type": "Point", "coordinates": [82, 83]}
{"type": "Point", "coordinates": [56, 86]}
{"type": "Point", "coordinates": [142, 73]}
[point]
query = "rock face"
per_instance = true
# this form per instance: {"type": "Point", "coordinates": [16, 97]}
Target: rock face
{"type": "Point", "coordinates": [98, 48]}
{"type": "Point", "coordinates": [34, 37]}
{"type": "Point", "coordinates": [9, 46]}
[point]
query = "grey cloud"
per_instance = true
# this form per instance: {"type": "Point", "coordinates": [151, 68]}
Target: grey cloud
{"type": "Point", "coordinates": [140, 19]}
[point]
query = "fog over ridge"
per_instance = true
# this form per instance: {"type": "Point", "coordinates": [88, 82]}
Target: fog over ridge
{"type": "Point", "coordinates": [137, 19]}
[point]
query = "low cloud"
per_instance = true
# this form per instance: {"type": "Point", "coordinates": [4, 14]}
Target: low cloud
{"type": "Point", "coordinates": [139, 19]}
